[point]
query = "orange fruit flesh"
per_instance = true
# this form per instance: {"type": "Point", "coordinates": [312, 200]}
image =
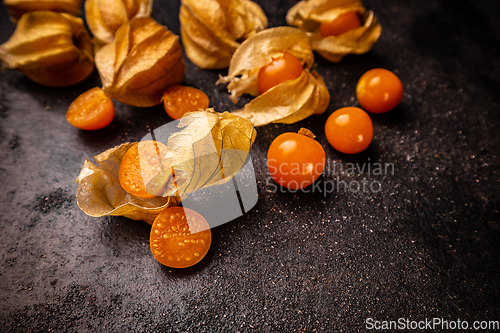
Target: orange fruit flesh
{"type": "Point", "coordinates": [90, 111]}
{"type": "Point", "coordinates": [180, 237]}
{"type": "Point", "coordinates": [179, 100]}
{"type": "Point", "coordinates": [139, 165]}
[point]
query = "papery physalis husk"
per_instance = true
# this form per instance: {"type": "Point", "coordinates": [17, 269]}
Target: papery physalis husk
{"type": "Point", "coordinates": [212, 30]}
{"type": "Point", "coordinates": [100, 193]}
{"type": "Point", "coordinates": [308, 15]}
{"type": "Point", "coordinates": [143, 60]}
{"type": "Point", "coordinates": [50, 48]}
{"type": "Point", "coordinates": [17, 8]}
{"type": "Point", "coordinates": [208, 149]}
{"type": "Point", "coordinates": [104, 17]}
{"type": "Point", "coordinates": [287, 102]}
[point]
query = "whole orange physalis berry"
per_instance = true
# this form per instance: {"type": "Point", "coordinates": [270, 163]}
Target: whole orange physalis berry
{"type": "Point", "coordinates": [343, 23]}
{"type": "Point", "coordinates": [295, 160]}
{"type": "Point", "coordinates": [349, 130]}
{"type": "Point", "coordinates": [287, 67]}
{"type": "Point", "coordinates": [379, 90]}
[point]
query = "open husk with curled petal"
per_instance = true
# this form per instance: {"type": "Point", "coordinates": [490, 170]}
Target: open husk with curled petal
{"type": "Point", "coordinates": [212, 30]}
{"type": "Point", "coordinates": [208, 149]}
{"type": "Point", "coordinates": [52, 49]}
{"type": "Point", "coordinates": [18, 8]}
{"type": "Point", "coordinates": [287, 102]}
{"type": "Point", "coordinates": [100, 193]}
{"type": "Point", "coordinates": [143, 60]}
{"type": "Point", "coordinates": [105, 17]}
{"type": "Point", "coordinates": [309, 14]}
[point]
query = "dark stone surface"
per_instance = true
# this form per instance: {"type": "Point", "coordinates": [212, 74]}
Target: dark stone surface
{"type": "Point", "coordinates": [425, 246]}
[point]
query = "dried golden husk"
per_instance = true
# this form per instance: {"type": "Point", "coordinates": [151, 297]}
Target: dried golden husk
{"type": "Point", "coordinates": [212, 30]}
{"type": "Point", "coordinates": [143, 60]}
{"type": "Point", "coordinates": [52, 49]}
{"type": "Point", "coordinates": [228, 138]}
{"type": "Point", "coordinates": [288, 102]}
{"type": "Point", "coordinates": [308, 15]}
{"type": "Point", "coordinates": [105, 17]}
{"type": "Point", "coordinates": [210, 148]}
{"type": "Point", "coordinates": [18, 8]}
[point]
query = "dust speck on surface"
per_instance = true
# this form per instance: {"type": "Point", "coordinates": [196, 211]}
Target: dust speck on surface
{"type": "Point", "coordinates": [52, 200]}
{"type": "Point", "coordinates": [45, 104]}
{"type": "Point", "coordinates": [4, 107]}
{"type": "Point", "coordinates": [14, 142]}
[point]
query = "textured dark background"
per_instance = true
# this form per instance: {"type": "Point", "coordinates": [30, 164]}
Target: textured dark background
{"type": "Point", "coordinates": [425, 246]}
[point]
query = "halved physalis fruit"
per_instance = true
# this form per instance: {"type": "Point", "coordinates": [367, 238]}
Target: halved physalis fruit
{"type": "Point", "coordinates": [179, 100]}
{"type": "Point", "coordinates": [281, 69]}
{"type": "Point", "coordinates": [139, 165]}
{"type": "Point", "coordinates": [91, 111]}
{"type": "Point", "coordinates": [180, 237]}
